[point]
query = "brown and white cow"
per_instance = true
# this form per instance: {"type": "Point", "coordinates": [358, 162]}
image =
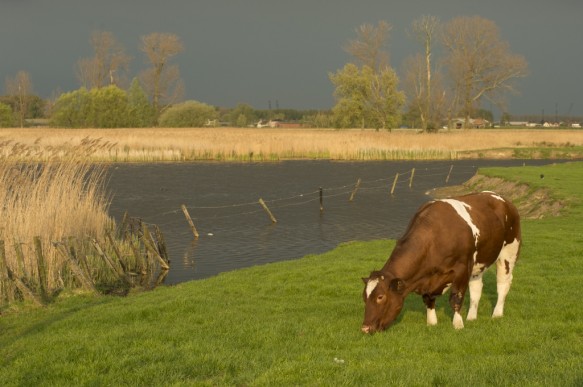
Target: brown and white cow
{"type": "Point", "coordinates": [448, 245]}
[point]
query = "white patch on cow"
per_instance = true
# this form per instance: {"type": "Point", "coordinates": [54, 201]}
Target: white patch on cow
{"type": "Point", "coordinates": [446, 288]}
{"type": "Point", "coordinates": [458, 322]}
{"type": "Point", "coordinates": [495, 196]}
{"type": "Point", "coordinates": [478, 268]}
{"type": "Point", "coordinates": [431, 317]}
{"type": "Point", "coordinates": [462, 210]}
{"type": "Point", "coordinates": [504, 266]}
{"type": "Point", "coordinates": [370, 286]}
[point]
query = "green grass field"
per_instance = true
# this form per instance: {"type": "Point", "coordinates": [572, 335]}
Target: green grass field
{"type": "Point", "coordinates": [298, 322]}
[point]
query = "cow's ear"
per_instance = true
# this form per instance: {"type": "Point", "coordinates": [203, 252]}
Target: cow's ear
{"type": "Point", "coordinates": [397, 285]}
{"type": "Point", "coordinates": [365, 280]}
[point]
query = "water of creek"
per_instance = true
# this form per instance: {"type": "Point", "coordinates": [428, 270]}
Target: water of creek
{"type": "Point", "coordinates": [236, 232]}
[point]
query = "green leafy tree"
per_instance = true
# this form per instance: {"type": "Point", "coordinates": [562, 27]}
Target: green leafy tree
{"type": "Point", "coordinates": [367, 98]}
{"type": "Point", "coordinates": [188, 114]}
{"type": "Point", "coordinates": [243, 115]}
{"type": "Point", "coordinates": [6, 117]}
{"type": "Point", "coordinates": [106, 107]}
{"type": "Point", "coordinates": [141, 113]}
{"type": "Point", "coordinates": [72, 110]}
{"type": "Point", "coordinates": [109, 108]}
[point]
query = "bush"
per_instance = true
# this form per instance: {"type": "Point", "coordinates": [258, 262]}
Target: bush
{"type": "Point", "coordinates": [187, 114]}
{"type": "Point", "coordinates": [6, 117]}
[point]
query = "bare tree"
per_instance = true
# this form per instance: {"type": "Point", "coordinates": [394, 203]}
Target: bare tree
{"type": "Point", "coordinates": [19, 89]}
{"type": "Point", "coordinates": [162, 81]}
{"type": "Point", "coordinates": [480, 63]}
{"type": "Point", "coordinates": [369, 47]}
{"type": "Point", "coordinates": [108, 66]}
{"type": "Point", "coordinates": [424, 30]}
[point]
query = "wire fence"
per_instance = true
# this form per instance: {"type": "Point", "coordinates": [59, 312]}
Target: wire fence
{"type": "Point", "coordinates": [395, 185]}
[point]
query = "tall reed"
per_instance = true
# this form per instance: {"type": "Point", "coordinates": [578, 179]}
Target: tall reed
{"type": "Point", "coordinates": [53, 201]}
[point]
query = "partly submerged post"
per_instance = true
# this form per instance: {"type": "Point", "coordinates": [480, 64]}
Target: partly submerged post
{"type": "Point", "coordinates": [411, 179]}
{"type": "Point", "coordinates": [267, 210]}
{"type": "Point", "coordinates": [190, 222]}
{"type": "Point", "coordinates": [355, 189]}
{"type": "Point", "coordinates": [449, 173]}
{"type": "Point", "coordinates": [395, 183]}
{"type": "Point", "coordinates": [321, 200]}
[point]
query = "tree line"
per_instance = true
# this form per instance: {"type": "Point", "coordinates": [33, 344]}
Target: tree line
{"type": "Point", "coordinates": [460, 64]}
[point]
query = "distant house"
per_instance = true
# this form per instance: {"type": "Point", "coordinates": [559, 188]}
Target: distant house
{"type": "Point", "coordinates": [518, 123]}
{"type": "Point", "coordinates": [475, 123]}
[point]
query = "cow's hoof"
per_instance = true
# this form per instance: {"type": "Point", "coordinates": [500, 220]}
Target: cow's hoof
{"type": "Point", "coordinates": [458, 322]}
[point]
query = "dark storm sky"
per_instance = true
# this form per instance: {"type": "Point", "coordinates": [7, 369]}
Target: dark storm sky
{"type": "Point", "coordinates": [255, 51]}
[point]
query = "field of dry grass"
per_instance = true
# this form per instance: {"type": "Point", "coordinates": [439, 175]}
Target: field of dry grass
{"type": "Point", "coordinates": [244, 144]}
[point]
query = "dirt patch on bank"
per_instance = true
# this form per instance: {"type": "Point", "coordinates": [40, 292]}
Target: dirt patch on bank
{"type": "Point", "coordinates": [531, 204]}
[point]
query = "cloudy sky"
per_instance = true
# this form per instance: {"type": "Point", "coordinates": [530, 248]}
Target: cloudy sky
{"type": "Point", "coordinates": [256, 51]}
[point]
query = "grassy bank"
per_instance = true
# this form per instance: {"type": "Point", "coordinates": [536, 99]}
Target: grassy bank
{"type": "Point", "coordinates": [249, 144]}
{"type": "Point", "coordinates": [297, 322]}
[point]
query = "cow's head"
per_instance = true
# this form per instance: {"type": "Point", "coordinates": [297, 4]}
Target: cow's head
{"type": "Point", "coordinates": [383, 301]}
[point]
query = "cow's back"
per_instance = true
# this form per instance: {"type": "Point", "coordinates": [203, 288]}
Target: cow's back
{"type": "Point", "coordinates": [465, 230]}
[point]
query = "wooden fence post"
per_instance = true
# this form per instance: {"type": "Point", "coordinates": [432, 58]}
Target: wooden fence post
{"type": "Point", "coordinates": [411, 179]}
{"type": "Point", "coordinates": [273, 220]}
{"type": "Point", "coordinates": [42, 268]}
{"type": "Point", "coordinates": [161, 243]}
{"type": "Point", "coordinates": [150, 245]}
{"type": "Point", "coordinates": [116, 251]}
{"type": "Point", "coordinates": [355, 189]}
{"type": "Point", "coordinates": [448, 174]}
{"type": "Point", "coordinates": [395, 183]}
{"type": "Point", "coordinates": [6, 288]}
{"type": "Point", "coordinates": [20, 259]}
{"type": "Point", "coordinates": [190, 222]}
{"type": "Point", "coordinates": [86, 282]}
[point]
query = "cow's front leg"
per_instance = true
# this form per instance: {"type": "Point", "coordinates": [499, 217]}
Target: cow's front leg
{"type": "Point", "coordinates": [430, 304]}
{"type": "Point", "coordinates": [456, 299]}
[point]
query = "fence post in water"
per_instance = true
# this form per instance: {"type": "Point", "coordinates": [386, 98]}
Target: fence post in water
{"type": "Point", "coordinates": [395, 183]}
{"type": "Point", "coordinates": [411, 179]}
{"type": "Point", "coordinates": [449, 173]}
{"type": "Point", "coordinates": [42, 268]}
{"type": "Point", "coordinates": [321, 200]}
{"type": "Point", "coordinates": [355, 189]}
{"type": "Point", "coordinates": [273, 220]}
{"type": "Point", "coordinates": [190, 222]}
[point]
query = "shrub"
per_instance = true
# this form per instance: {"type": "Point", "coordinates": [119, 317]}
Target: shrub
{"type": "Point", "coordinates": [187, 114]}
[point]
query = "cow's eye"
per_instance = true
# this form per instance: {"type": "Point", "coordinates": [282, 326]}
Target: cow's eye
{"type": "Point", "coordinates": [380, 298]}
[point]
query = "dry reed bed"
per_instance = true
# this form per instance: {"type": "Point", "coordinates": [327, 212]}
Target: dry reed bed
{"type": "Point", "coordinates": [172, 144]}
{"type": "Point", "coordinates": [53, 201]}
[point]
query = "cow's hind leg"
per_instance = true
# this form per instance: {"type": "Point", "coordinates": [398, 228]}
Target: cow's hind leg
{"type": "Point", "coordinates": [504, 266]}
{"type": "Point", "coordinates": [475, 286]}
{"type": "Point", "coordinates": [456, 299]}
{"type": "Point", "coordinates": [430, 304]}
